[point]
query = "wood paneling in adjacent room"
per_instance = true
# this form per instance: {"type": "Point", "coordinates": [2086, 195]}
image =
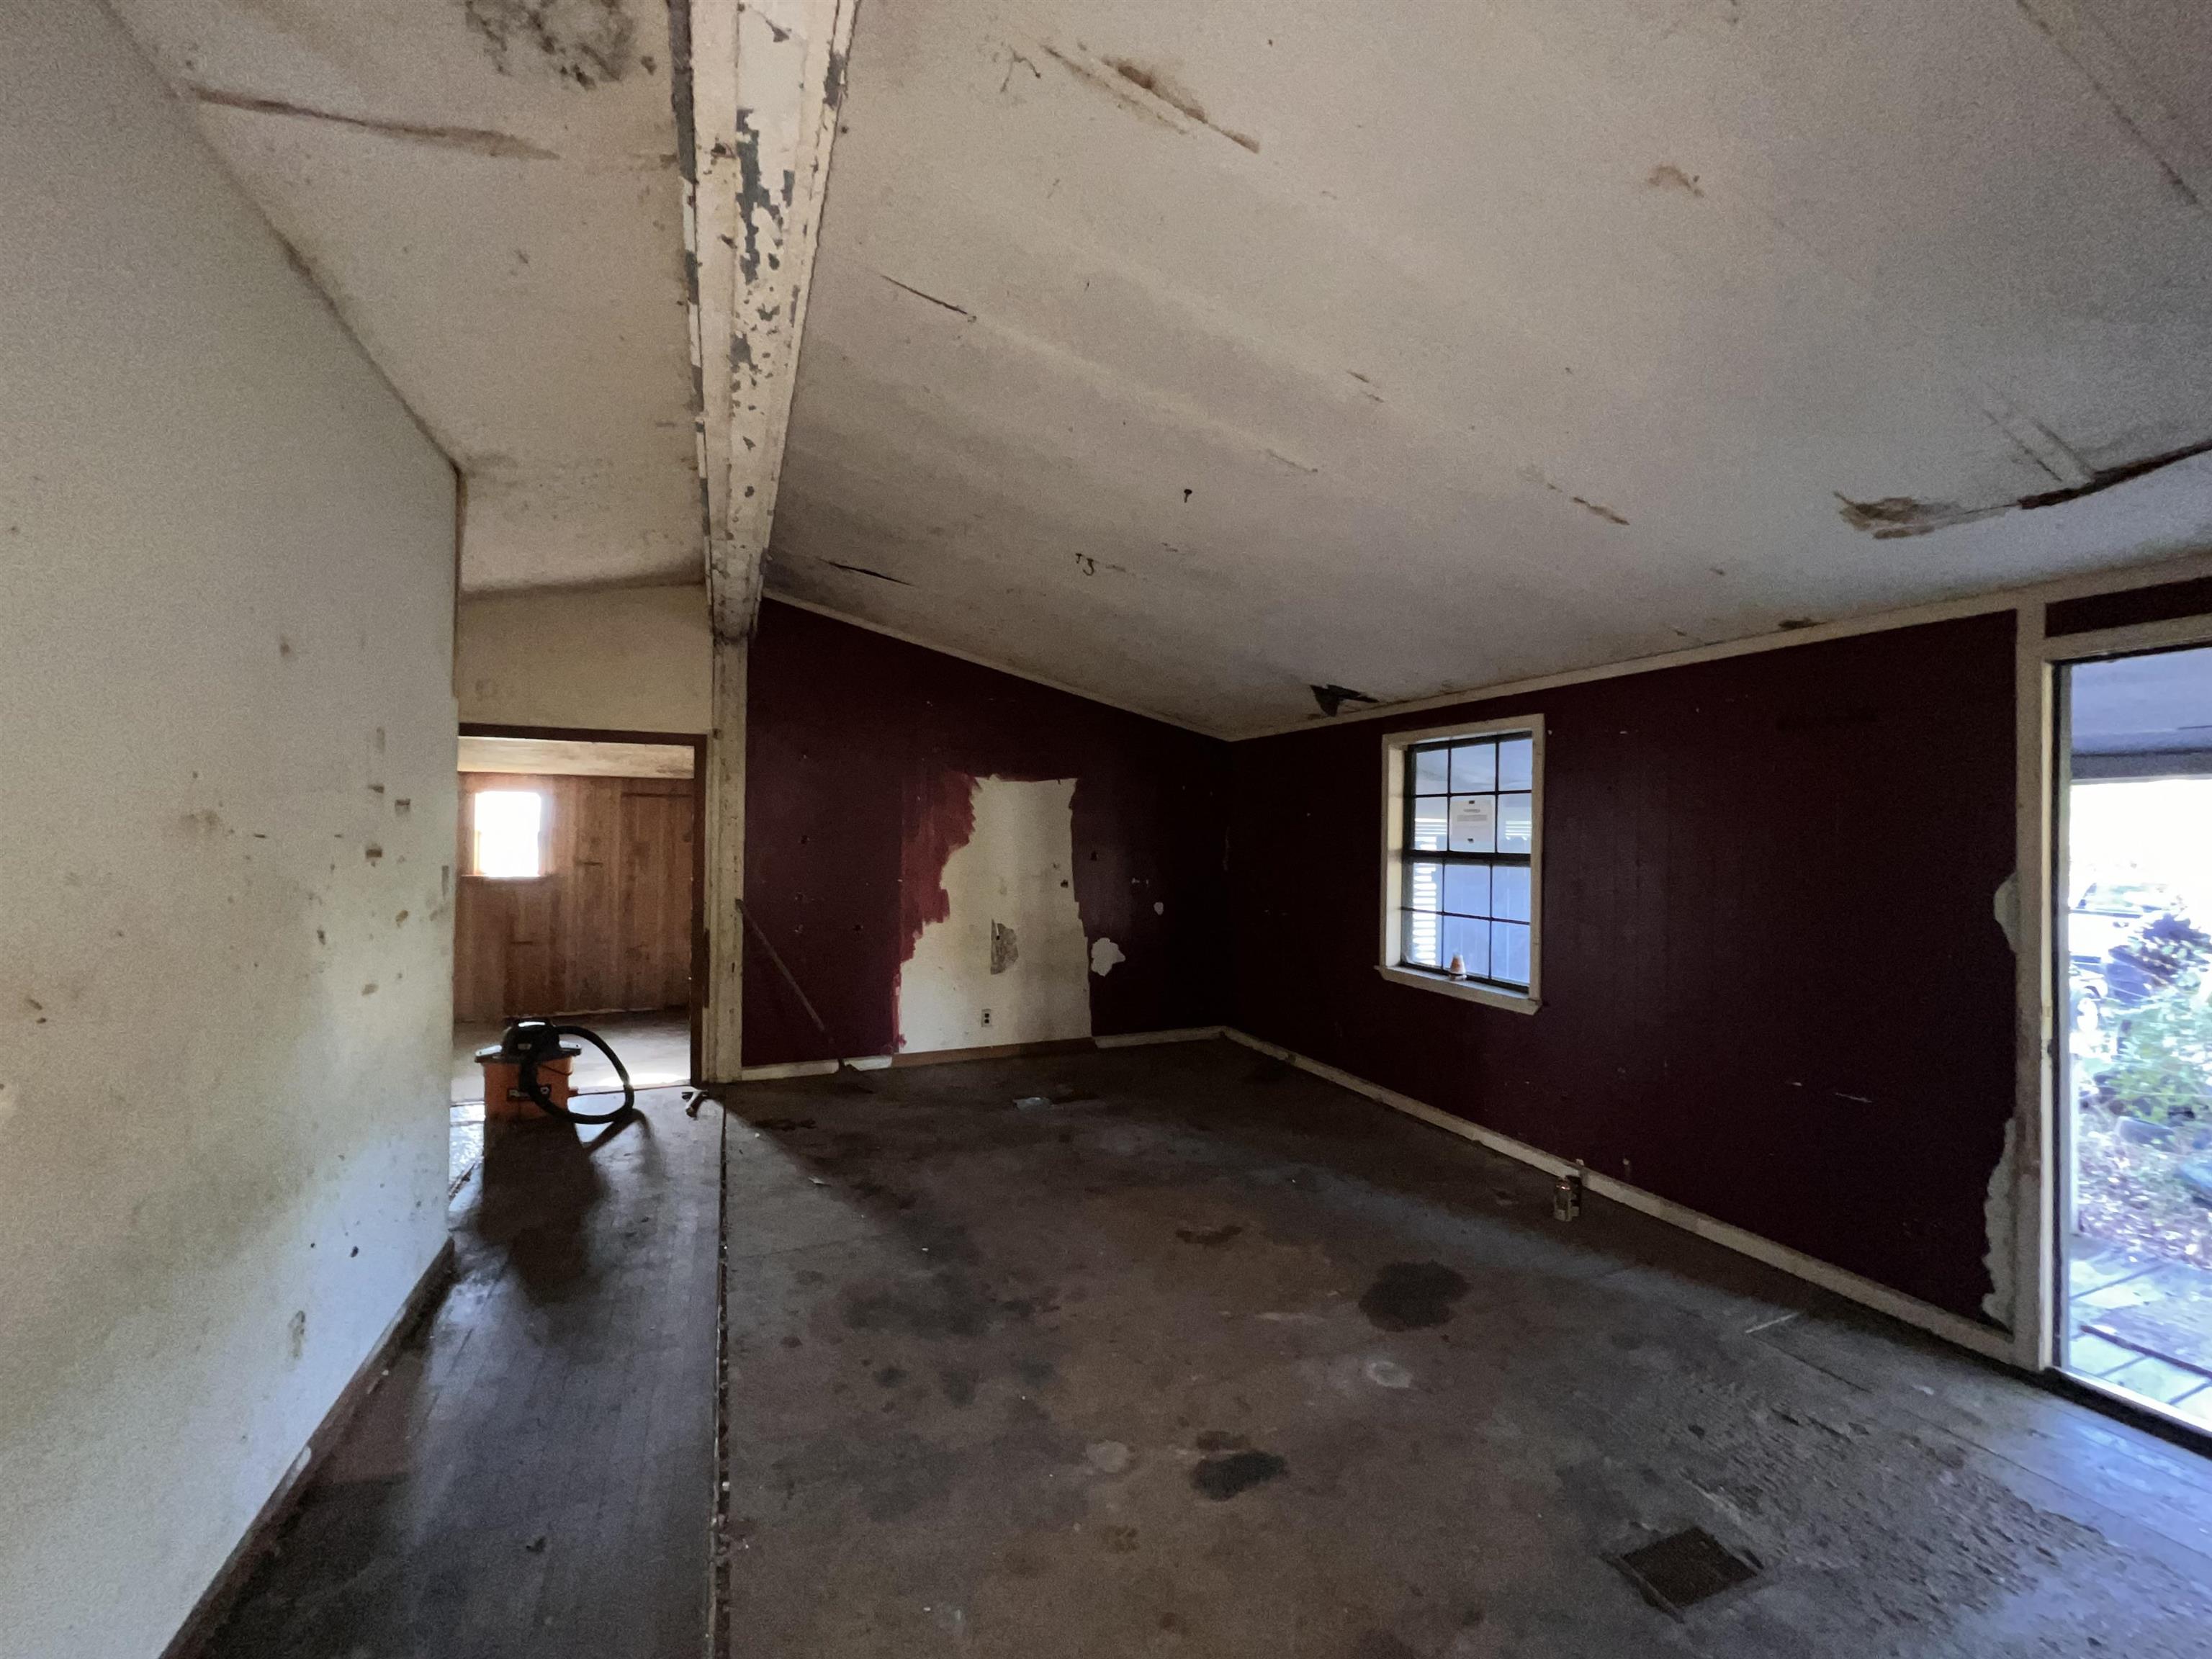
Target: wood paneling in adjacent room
{"type": "Point", "coordinates": [607, 926]}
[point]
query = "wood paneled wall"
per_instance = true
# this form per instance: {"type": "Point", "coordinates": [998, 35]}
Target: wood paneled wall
{"type": "Point", "coordinates": [847, 731]}
{"type": "Point", "coordinates": [1773, 989]}
{"type": "Point", "coordinates": [608, 926]}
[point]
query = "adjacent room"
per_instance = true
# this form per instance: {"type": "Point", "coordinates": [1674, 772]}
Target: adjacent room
{"type": "Point", "coordinates": [576, 902]}
{"type": "Point", "coordinates": [981, 831]}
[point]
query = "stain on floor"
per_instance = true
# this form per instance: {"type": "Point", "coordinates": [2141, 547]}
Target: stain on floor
{"type": "Point", "coordinates": [1394, 1416]}
{"type": "Point", "coordinates": [1222, 1477]}
{"type": "Point", "coordinates": [983, 1400]}
{"type": "Point", "coordinates": [1411, 1296]}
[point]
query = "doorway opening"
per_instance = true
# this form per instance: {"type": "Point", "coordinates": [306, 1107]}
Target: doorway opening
{"type": "Point", "coordinates": [2135, 958]}
{"type": "Point", "coordinates": [580, 858]}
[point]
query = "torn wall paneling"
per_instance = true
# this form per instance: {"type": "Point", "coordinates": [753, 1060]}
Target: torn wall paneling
{"type": "Point", "coordinates": [608, 926]}
{"type": "Point", "coordinates": [900, 802]}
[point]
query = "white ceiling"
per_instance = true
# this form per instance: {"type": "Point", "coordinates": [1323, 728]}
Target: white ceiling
{"type": "Point", "coordinates": [1190, 352]}
{"type": "Point", "coordinates": [488, 191]}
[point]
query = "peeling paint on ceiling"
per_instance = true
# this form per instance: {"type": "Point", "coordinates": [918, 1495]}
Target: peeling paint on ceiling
{"type": "Point", "coordinates": [1414, 347]}
{"type": "Point", "coordinates": [1202, 355]}
{"type": "Point", "coordinates": [488, 191]}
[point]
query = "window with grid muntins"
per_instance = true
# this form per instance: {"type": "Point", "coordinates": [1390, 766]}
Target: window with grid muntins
{"type": "Point", "coordinates": [1468, 847]}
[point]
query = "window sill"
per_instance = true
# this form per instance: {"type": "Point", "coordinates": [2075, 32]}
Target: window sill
{"type": "Point", "coordinates": [1519, 1002]}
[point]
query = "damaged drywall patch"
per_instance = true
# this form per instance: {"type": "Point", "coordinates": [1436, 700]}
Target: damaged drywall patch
{"type": "Point", "coordinates": [1332, 697]}
{"type": "Point", "coordinates": [1668, 176]}
{"type": "Point", "coordinates": [1161, 87]}
{"type": "Point", "coordinates": [999, 926]}
{"type": "Point", "coordinates": [947, 304]}
{"type": "Point", "coordinates": [582, 42]}
{"type": "Point", "coordinates": [2004, 905]}
{"type": "Point", "coordinates": [2000, 1222]}
{"type": "Point", "coordinates": [476, 141]}
{"type": "Point", "coordinates": [1895, 516]}
{"type": "Point", "coordinates": [1145, 89]}
{"type": "Point", "coordinates": [865, 570]}
{"type": "Point", "coordinates": [1594, 509]}
{"type": "Point", "coordinates": [1105, 953]}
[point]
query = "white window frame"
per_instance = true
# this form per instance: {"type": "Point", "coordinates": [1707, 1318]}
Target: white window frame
{"type": "Point", "coordinates": [1395, 745]}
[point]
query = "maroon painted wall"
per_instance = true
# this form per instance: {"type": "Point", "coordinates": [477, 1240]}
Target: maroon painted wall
{"type": "Point", "coordinates": [849, 736]}
{"type": "Point", "coordinates": [1773, 989]}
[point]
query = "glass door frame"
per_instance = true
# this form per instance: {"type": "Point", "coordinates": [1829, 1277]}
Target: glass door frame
{"type": "Point", "coordinates": [2045, 1169]}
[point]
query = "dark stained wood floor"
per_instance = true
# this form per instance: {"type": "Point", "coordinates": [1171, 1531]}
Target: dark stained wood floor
{"type": "Point", "coordinates": [535, 1476]}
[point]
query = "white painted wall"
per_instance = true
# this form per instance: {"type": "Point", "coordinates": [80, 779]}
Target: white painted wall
{"type": "Point", "coordinates": [226, 796]}
{"type": "Point", "coordinates": [613, 659]}
{"type": "Point", "coordinates": [1017, 870]}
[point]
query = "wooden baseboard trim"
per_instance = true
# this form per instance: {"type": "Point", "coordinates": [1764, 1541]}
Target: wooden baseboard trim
{"type": "Point", "coordinates": [215, 1601]}
{"type": "Point", "coordinates": [995, 1051]}
{"type": "Point", "coordinates": [798, 1068]}
{"type": "Point", "coordinates": [1146, 1039]}
{"type": "Point", "coordinates": [1983, 1340]}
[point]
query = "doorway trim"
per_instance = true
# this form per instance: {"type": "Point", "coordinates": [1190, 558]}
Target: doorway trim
{"type": "Point", "coordinates": [2043, 767]}
{"type": "Point", "coordinates": [696, 743]}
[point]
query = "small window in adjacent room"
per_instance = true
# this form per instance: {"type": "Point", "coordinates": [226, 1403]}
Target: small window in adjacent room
{"type": "Point", "coordinates": [1461, 887]}
{"type": "Point", "coordinates": [509, 833]}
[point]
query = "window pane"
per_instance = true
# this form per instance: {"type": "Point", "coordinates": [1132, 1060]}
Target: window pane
{"type": "Point", "coordinates": [1466, 889]}
{"type": "Point", "coordinates": [1425, 884]}
{"type": "Point", "coordinates": [1429, 825]}
{"type": "Point", "coordinates": [1516, 824]}
{"type": "Point", "coordinates": [1475, 824]}
{"type": "Point", "coordinates": [1509, 952]}
{"type": "Point", "coordinates": [1470, 942]}
{"type": "Point", "coordinates": [1517, 764]}
{"type": "Point", "coordinates": [1509, 892]}
{"type": "Point", "coordinates": [506, 821]}
{"type": "Point", "coordinates": [1474, 767]}
{"type": "Point", "coordinates": [1429, 769]}
{"type": "Point", "coordinates": [1420, 937]}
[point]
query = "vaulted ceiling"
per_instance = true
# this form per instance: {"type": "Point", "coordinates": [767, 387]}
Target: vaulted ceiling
{"type": "Point", "coordinates": [489, 192]}
{"type": "Point", "coordinates": [1191, 352]}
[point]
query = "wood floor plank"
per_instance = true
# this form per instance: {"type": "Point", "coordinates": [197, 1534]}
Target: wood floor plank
{"type": "Point", "coordinates": [563, 1391]}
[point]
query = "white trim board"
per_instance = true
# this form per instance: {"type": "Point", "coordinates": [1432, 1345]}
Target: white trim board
{"type": "Point", "coordinates": [904, 638]}
{"type": "Point", "coordinates": [954, 1056]}
{"type": "Point", "coordinates": [2038, 1147]}
{"type": "Point", "coordinates": [2186, 567]}
{"type": "Point", "coordinates": [1986, 1340]}
{"type": "Point", "coordinates": [1144, 1039]}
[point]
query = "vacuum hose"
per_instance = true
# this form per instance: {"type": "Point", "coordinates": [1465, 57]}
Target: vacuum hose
{"type": "Point", "coordinates": [531, 1040]}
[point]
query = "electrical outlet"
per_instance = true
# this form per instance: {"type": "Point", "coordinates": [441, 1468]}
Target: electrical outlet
{"type": "Point", "coordinates": [986, 1017]}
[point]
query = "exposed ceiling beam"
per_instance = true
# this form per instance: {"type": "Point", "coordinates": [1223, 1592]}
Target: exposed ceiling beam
{"type": "Point", "coordinates": [765, 79]}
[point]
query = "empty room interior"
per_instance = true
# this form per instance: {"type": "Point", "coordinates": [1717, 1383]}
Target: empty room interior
{"type": "Point", "coordinates": [1002, 828]}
